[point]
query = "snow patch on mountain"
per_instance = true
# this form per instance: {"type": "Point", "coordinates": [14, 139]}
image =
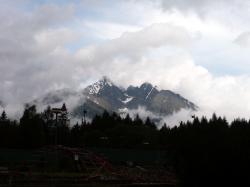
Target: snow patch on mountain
{"type": "Point", "coordinates": [96, 102]}
{"type": "Point", "coordinates": [95, 88]}
{"type": "Point", "coordinates": [123, 110]}
{"type": "Point", "coordinates": [149, 92]}
{"type": "Point", "coordinates": [127, 100]}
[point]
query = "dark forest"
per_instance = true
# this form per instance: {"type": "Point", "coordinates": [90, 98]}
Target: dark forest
{"type": "Point", "coordinates": [211, 150]}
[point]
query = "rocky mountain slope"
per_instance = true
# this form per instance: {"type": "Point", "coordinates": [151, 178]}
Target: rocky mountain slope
{"type": "Point", "coordinates": [105, 95]}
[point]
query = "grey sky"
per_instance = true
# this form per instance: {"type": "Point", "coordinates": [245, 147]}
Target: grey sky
{"type": "Point", "coordinates": [199, 49]}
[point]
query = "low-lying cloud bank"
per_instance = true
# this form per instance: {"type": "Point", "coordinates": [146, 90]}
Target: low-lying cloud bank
{"type": "Point", "coordinates": [170, 120]}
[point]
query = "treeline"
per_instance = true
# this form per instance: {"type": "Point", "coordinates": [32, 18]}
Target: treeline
{"type": "Point", "coordinates": [211, 152]}
{"type": "Point", "coordinates": [35, 130]}
{"type": "Point", "coordinates": [204, 152]}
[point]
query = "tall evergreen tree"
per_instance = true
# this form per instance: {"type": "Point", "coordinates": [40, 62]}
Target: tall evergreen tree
{"type": "Point", "coordinates": [138, 121]}
{"type": "Point", "coordinates": [149, 123]}
{"type": "Point", "coordinates": [64, 119]}
{"type": "Point", "coordinates": [3, 116]}
{"type": "Point", "coordinates": [31, 128]}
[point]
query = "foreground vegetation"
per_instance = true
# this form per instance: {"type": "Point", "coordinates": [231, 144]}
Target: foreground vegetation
{"type": "Point", "coordinates": [203, 152]}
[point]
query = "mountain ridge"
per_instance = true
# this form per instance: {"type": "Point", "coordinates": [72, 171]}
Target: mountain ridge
{"type": "Point", "coordinates": [105, 95]}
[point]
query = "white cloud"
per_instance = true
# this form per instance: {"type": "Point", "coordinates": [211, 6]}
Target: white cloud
{"type": "Point", "coordinates": [174, 49]}
{"type": "Point", "coordinates": [109, 30]}
{"type": "Point", "coordinates": [130, 47]}
{"type": "Point", "coordinates": [170, 120]}
{"type": "Point", "coordinates": [32, 54]}
{"type": "Point", "coordinates": [168, 64]}
{"type": "Point", "coordinates": [205, 7]}
{"type": "Point", "coordinates": [243, 39]}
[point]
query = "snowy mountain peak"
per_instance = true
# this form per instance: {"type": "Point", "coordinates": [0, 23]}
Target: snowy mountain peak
{"type": "Point", "coordinates": [106, 81]}
{"type": "Point", "coordinates": [99, 85]}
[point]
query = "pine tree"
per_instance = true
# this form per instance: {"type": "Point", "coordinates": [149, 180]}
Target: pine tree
{"type": "Point", "coordinates": [64, 116]}
{"type": "Point", "coordinates": [47, 115]}
{"type": "Point", "coordinates": [138, 121]}
{"type": "Point", "coordinates": [3, 116]}
{"type": "Point", "coordinates": [64, 108]}
{"type": "Point", "coordinates": [164, 127]}
{"type": "Point", "coordinates": [31, 128]}
{"type": "Point", "coordinates": [128, 120]}
{"type": "Point", "coordinates": [149, 123]}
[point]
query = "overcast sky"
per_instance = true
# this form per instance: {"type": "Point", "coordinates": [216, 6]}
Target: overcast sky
{"type": "Point", "coordinates": [200, 49]}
